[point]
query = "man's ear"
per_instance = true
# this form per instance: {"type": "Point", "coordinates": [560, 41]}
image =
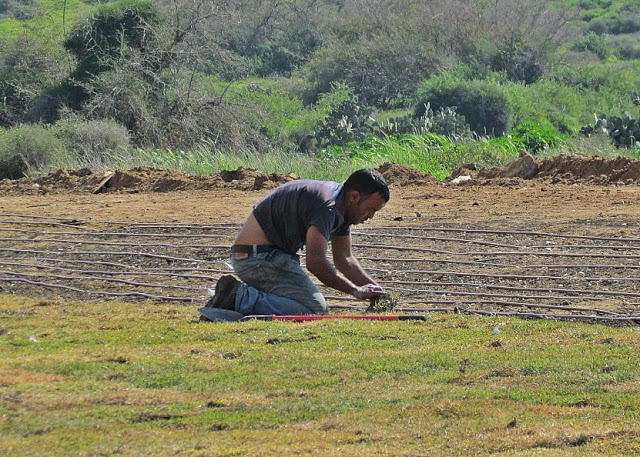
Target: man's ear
{"type": "Point", "coordinates": [353, 196]}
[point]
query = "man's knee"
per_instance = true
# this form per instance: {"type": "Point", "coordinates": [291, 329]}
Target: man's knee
{"type": "Point", "coordinates": [317, 305]}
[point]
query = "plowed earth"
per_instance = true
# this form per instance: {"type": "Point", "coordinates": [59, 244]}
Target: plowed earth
{"type": "Point", "coordinates": [554, 238]}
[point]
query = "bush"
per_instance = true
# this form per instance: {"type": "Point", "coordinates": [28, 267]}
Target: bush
{"type": "Point", "coordinates": [626, 47]}
{"type": "Point", "coordinates": [482, 103]}
{"type": "Point", "coordinates": [596, 44]}
{"type": "Point", "coordinates": [27, 68]}
{"type": "Point", "coordinates": [536, 138]}
{"type": "Point", "coordinates": [28, 149]}
{"type": "Point", "coordinates": [93, 143]}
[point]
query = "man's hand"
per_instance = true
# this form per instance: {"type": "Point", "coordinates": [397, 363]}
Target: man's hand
{"type": "Point", "coordinates": [368, 291]}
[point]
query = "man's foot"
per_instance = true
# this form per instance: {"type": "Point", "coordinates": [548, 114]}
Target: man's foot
{"type": "Point", "coordinates": [225, 297]}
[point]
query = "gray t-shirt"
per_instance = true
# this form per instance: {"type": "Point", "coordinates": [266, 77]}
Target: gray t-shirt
{"type": "Point", "coordinates": [286, 214]}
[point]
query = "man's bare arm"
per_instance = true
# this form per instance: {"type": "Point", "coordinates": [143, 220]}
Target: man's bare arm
{"type": "Point", "coordinates": [317, 247]}
{"type": "Point", "coordinates": [346, 263]}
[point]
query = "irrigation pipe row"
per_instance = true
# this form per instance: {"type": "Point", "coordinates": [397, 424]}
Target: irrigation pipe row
{"type": "Point", "coordinates": [399, 248]}
{"type": "Point", "coordinates": [495, 253]}
{"type": "Point", "coordinates": [501, 276]}
{"type": "Point", "coordinates": [98, 278]}
{"type": "Point", "coordinates": [511, 288]}
{"type": "Point", "coordinates": [217, 236]}
{"type": "Point", "coordinates": [491, 243]}
{"type": "Point", "coordinates": [97, 292]}
{"type": "Point", "coordinates": [119, 234]}
{"type": "Point", "coordinates": [369, 229]}
{"type": "Point", "coordinates": [173, 272]}
{"type": "Point", "coordinates": [170, 273]}
{"type": "Point", "coordinates": [107, 243]}
{"type": "Point", "coordinates": [451, 305]}
{"type": "Point", "coordinates": [119, 265]}
{"type": "Point", "coordinates": [481, 263]}
{"type": "Point", "coordinates": [59, 218]}
{"type": "Point", "coordinates": [454, 310]}
{"type": "Point", "coordinates": [490, 295]}
{"type": "Point", "coordinates": [570, 317]}
{"type": "Point", "coordinates": [504, 232]}
{"type": "Point", "coordinates": [55, 224]}
{"type": "Point", "coordinates": [107, 253]}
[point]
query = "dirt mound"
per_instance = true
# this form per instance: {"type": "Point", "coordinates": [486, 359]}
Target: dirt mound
{"type": "Point", "coordinates": [563, 168]}
{"type": "Point", "coordinates": [141, 179]}
{"type": "Point", "coordinates": [597, 169]}
{"type": "Point", "coordinates": [569, 168]}
{"type": "Point", "coordinates": [402, 175]}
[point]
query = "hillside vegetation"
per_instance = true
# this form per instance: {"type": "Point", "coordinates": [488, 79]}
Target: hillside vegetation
{"type": "Point", "coordinates": [189, 84]}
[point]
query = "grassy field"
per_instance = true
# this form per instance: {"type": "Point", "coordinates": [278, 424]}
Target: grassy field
{"type": "Point", "coordinates": [109, 378]}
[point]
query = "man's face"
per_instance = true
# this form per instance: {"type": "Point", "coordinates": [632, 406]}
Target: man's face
{"type": "Point", "coordinates": [359, 209]}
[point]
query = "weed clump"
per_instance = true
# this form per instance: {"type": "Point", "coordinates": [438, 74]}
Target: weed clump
{"type": "Point", "coordinates": [383, 303]}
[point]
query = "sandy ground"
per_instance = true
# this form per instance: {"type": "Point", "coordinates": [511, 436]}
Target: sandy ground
{"type": "Point", "coordinates": [557, 243]}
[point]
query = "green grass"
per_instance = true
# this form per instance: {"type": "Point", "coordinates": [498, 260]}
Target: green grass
{"type": "Point", "coordinates": [52, 20]}
{"type": "Point", "coordinates": [143, 379]}
{"type": "Point", "coordinates": [429, 153]}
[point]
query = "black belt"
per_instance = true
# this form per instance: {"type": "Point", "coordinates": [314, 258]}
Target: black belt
{"type": "Point", "coordinates": [253, 249]}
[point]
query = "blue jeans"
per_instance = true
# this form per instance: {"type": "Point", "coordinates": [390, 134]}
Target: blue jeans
{"type": "Point", "coordinates": [275, 283]}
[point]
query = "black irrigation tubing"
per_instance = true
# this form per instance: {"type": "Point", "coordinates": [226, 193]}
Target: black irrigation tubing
{"type": "Point", "coordinates": [107, 243]}
{"type": "Point", "coordinates": [98, 278]}
{"type": "Point", "coordinates": [472, 294]}
{"type": "Point", "coordinates": [399, 248]}
{"type": "Point", "coordinates": [110, 253]}
{"type": "Point", "coordinates": [91, 262]}
{"type": "Point", "coordinates": [566, 317]}
{"type": "Point", "coordinates": [455, 240]}
{"type": "Point", "coordinates": [569, 317]}
{"type": "Point", "coordinates": [121, 234]}
{"type": "Point", "coordinates": [72, 219]}
{"type": "Point", "coordinates": [405, 310]}
{"type": "Point", "coordinates": [203, 235]}
{"type": "Point", "coordinates": [505, 232]}
{"type": "Point", "coordinates": [496, 253]}
{"type": "Point", "coordinates": [502, 276]}
{"type": "Point", "coordinates": [453, 304]}
{"type": "Point", "coordinates": [489, 243]}
{"type": "Point", "coordinates": [483, 294]}
{"type": "Point", "coordinates": [511, 288]}
{"type": "Point", "coordinates": [98, 292]}
{"type": "Point", "coordinates": [113, 264]}
{"type": "Point", "coordinates": [181, 226]}
{"type": "Point", "coordinates": [481, 263]}
{"type": "Point", "coordinates": [101, 272]}
{"type": "Point", "coordinates": [55, 224]}
{"type": "Point", "coordinates": [504, 303]}
{"type": "Point", "coordinates": [585, 246]}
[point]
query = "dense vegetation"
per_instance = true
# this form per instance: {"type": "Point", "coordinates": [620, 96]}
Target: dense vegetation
{"type": "Point", "coordinates": [188, 83]}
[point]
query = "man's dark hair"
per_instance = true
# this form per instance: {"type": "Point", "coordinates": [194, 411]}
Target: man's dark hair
{"type": "Point", "coordinates": [367, 181]}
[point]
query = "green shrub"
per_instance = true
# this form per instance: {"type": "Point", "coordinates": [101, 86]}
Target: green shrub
{"type": "Point", "coordinates": [118, 31]}
{"type": "Point", "coordinates": [536, 138]}
{"type": "Point", "coordinates": [93, 143]}
{"type": "Point", "coordinates": [482, 103]}
{"type": "Point", "coordinates": [596, 44]}
{"type": "Point", "coordinates": [28, 149]}
{"type": "Point", "coordinates": [626, 47]}
{"type": "Point", "coordinates": [281, 115]}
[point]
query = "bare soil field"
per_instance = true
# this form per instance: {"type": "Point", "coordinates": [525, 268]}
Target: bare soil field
{"type": "Point", "coordinates": [541, 238]}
